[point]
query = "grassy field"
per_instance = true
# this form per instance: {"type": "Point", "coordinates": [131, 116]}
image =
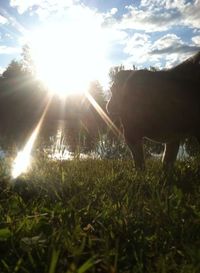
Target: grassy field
{"type": "Point", "coordinates": [100, 216]}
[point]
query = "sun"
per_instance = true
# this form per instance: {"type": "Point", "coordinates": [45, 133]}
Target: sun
{"type": "Point", "coordinates": [68, 56]}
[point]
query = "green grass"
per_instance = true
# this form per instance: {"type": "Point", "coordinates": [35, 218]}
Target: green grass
{"type": "Point", "coordinates": [100, 216]}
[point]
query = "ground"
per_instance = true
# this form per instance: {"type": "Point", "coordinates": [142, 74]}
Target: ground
{"type": "Point", "coordinates": [100, 216]}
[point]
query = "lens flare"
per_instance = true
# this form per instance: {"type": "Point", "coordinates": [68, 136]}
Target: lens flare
{"type": "Point", "coordinates": [104, 116]}
{"type": "Point", "coordinates": [23, 158]}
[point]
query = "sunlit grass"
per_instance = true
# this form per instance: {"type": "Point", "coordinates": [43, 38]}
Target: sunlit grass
{"type": "Point", "coordinates": [100, 216]}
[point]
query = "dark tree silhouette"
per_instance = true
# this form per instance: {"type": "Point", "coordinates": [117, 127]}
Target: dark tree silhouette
{"type": "Point", "coordinates": [21, 103]}
{"type": "Point", "coordinates": [83, 123]}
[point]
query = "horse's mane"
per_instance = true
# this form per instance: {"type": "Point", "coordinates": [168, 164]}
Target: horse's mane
{"type": "Point", "coordinates": [187, 70]}
{"type": "Point", "coordinates": [122, 76]}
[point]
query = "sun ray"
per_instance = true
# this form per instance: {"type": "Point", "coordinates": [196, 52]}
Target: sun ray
{"type": "Point", "coordinates": [23, 158]}
{"type": "Point", "coordinates": [104, 116]}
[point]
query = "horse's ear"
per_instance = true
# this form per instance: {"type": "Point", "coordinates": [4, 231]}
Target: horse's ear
{"type": "Point", "coordinates": [196, 58]}
{"type": "Point", "coordinates": [189, 69]}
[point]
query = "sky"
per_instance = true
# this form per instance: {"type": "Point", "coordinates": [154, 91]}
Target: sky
{"type": "Point", "coordinates": [159, 33]}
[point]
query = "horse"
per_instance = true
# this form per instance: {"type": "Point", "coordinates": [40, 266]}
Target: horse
{"type": "Point", "coordinates": [163, 106]}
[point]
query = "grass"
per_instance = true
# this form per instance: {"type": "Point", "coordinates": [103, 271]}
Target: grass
{"type": "Point", "coordinates": [100, 216]}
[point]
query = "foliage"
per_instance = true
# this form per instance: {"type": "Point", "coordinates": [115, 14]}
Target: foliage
{"type": "Point", "coordinates": [114, 70]}
{"type": "Point", "coordinates": [83, 124]}
{"type": "Point", "coordinates": [14, 70]}
{"type": "Point", "coordinates": [100, 216]}
{"type": "Point", "coordinates": [27, 61]}
{"type": "Point", "coordinates": [22, 101]}
{"type": "Point", "coordinates": [192, 146]}
{"type": "Point", "coordinates": [110, 146]}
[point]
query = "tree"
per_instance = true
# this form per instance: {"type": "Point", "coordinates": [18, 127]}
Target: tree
{"type": "Point", "coordinates": [114, 70]}
{"type": "Point", "coordinates": [14, 70]}
{"type": "Point", "coordinates": [83, 122]}
{"type": "Point", "coordinates": [27, 60]}
{"type": "Point", "coordinates": [22, 102]}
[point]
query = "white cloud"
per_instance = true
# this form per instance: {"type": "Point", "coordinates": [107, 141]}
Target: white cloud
{"type": "Point", "coordinates": [172, 49]}
{"type": "Point", "coordinates": [137, 45]}
{"type": "Point", "coordinates": [113, 11]}
{"type": "Point", "coordinates": [167, 42]}
{"type": "Point", "coordinates": [3, 20]}
{"type": "Point", "coordinates": [9, 50]}
{"type": "Point", "coordinates": [196, 30]}
{"type": "Point", "coordinates": [157, 16]}
{"type": "Point", "coordinates": [174, 59]}
{"type": "Point", "coordinates": [191, 14]}
{"type": "Point", "coordinates": [166, 51]}
{"type": "Point", "coordinates": [11, 20]}
{"type": "Point", "coordinates": [24, 5]}
{"type": "Point", "coordinates": [2, 69]}
{"type": "Point", "coordinates": [137, 40]}
{"type": "Point", "coordinates": [147, 20]}
{"type": "Point", "coordinates": [8, 36]}
{"type": "Point", "coordinates": [141, 49]}
{"type": "Point", "coordinates": [48, 5]}
{"type": "Point", "coordinates": [167, 4]}
{"type": "Point", "coordinates": [196, 40]}
{"type": "Point", "coordinates": [189, 11]}
{"type": "Point", "coordinates": [115, 36]}
{"type": "Point", "coordinates": [160, 15]}
{"type": "Point", "coordinates": [171, 43]}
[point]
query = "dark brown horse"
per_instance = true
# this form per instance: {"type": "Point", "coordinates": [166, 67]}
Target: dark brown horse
{"type": "Point", "coordinates": [163, 106]}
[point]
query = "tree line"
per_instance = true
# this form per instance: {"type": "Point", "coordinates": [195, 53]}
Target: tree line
{"type": "Point", "coordinates": [23, 99]}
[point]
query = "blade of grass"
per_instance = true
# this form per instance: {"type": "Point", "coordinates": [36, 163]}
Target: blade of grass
{"type": "Point", "coordinates": [54, 260]}
{"type": "Point", "coordinates": [87, 265]}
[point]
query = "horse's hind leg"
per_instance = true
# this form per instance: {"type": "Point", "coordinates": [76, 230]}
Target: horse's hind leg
{"type": "Point", "coordinates": [170, 153]}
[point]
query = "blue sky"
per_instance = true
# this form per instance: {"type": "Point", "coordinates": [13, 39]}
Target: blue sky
{"type": "Point", "coordinates": [160, 33]}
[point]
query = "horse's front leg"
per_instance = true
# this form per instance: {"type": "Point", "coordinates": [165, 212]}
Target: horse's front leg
{"type": "Point", "coordinates": [136, 147]}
